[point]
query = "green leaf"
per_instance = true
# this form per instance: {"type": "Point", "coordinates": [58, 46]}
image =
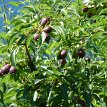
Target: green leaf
{"type": "Point", "coordinates": [16, 4]}
{"type": "Point", "coordinates": [4, 87]}
{"type": "Point", "coordinates": [0, 9]}
{"type": "Point", "coordinates": [13, 57]}
{"type": "Point", "coordinates": [104, 11]}
{"type": "Point", "coordinates": [1, 95]}
{"type": "Point", "coordinates": [52, 47]}
{"type": "Point", "coordinates": [38, 80]}
{"type": "Point", "coordinates": [30, 8]}
{"type": "Point", "coordinates": [10, 95]}
{"type": "Point", "coordinates": [29, 38]}
{"type": "Point", "coordinates": [43, 37]}
{"type": "Point", "coordinates": [12, 39]}
{"type": "Point", "coordinates": [22, 39]}
{"type": "Point", "coordinates": [35, 96]}
{"type": "Point", "coordinates": [97, 97]}
{"type": "Point", "coordinates": [61, 31]}
{"type": "Point", "coordinates": [19, 93]}
{"type": "Point", "coordinates": [3, 35]}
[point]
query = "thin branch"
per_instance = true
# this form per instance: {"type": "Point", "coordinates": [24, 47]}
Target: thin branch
{"type": "Point", "coordinates": [30, 62]}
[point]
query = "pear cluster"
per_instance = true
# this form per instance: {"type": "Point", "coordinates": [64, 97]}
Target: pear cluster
{"type": "Point", "coordinates": [7, 68]}
{"type": "Point", "coordinates": [62, 55]}
{"type": "Point", "coordinates": [45, 31]}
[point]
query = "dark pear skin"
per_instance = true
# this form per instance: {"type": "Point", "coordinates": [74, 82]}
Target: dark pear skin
{"type": "Point", "coordinates": [1, 72]}
{"type": "Point", "coordinates": [47, 29]}
{"type": "Point", "coordinates": [36, 37]}
{"type": "Point", "coordinates": [45, 21]}
{"type": "Point", "coordinates": [62, 61]}
{"type": "Point", "coordinates": [12, 70]}
{"type": "Point", "coordinates": [63, 54]}
{"type": "Point", "coordinates": [81, 53]}
{"type": "Point", "coordinates": [47, 37]}
{"type": "Point", "coordinates": [85, 9]}
{"type": "Point", "coordinates": [5, 68]}
{"type": "Point", "coordinates": [90, 14]}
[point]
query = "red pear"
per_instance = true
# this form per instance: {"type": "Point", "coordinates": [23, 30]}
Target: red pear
{"type": "Point", "coordinates": [45, 21]}
{"type": "Point", "coordinates": [12, 70]}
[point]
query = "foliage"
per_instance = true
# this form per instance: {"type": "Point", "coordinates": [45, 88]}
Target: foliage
{"type": "Point", "coordinates": [41, 79]}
